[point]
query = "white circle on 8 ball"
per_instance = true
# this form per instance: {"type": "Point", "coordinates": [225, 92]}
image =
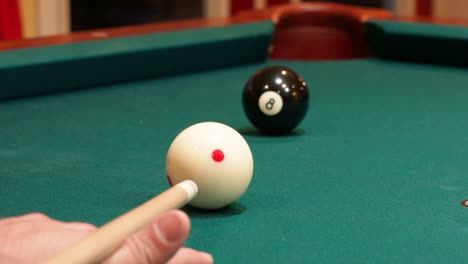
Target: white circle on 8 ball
{"type": "Point", "coordinates": [270, 103]}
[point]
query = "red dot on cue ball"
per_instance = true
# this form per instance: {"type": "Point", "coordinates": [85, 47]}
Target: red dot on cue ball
{"type": "Point", "coordinates": [217, 155]}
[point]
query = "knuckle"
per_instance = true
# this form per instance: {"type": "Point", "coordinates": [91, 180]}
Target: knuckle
{"type": "Point", "coordinates": [143, 250]}
{"type": "Point", "coordinates": [84, 227]}
{"type": "Point", "coordinates": [36, 215]}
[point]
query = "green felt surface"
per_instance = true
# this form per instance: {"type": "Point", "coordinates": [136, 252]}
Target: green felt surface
{"type": "Point", "coordinates": [80, 65]}
{"type": "Point", "coordinates": [374, 174]}
{"type": "Point", "coordinates": [428, 43]}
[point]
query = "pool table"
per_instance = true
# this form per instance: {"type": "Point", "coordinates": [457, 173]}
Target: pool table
{"type": "Point", "coordinates": [377, 172]}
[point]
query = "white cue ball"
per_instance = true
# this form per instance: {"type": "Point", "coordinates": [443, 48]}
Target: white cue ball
{"type": "Point", "coordinates": [217, 158]}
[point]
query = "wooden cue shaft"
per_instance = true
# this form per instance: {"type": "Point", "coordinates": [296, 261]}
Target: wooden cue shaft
{"type": "Point", "coordinates": [112, 235]}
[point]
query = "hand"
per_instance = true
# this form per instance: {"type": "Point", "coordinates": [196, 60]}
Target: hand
{"type": "Point", "coordinates": [34, 237]}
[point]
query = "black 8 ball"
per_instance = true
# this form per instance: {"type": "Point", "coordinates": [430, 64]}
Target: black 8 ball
{"type": "Point", "coordinates": [275, 99]}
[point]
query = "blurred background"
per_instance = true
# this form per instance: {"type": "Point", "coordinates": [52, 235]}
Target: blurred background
{"type": "Point", "coordinates": [36, 18]}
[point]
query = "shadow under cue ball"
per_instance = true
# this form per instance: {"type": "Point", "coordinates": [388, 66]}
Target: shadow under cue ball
{"type": "Point", "coordinates": [275, 99]}
{"type": "Point", "coordinates": [217, 158]}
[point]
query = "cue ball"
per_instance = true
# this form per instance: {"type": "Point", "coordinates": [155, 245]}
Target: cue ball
{"type": "Point", "coordinates": [217, 158]}
{"type": "Point", "coordinates": [275, 99]}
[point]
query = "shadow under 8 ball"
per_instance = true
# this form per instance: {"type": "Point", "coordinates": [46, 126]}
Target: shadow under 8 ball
{"type": "Point", "coordinates": [275, 99]}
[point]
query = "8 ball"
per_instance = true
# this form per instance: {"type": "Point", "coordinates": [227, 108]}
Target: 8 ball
{"type": "Point", "coordinates": [275, 99]}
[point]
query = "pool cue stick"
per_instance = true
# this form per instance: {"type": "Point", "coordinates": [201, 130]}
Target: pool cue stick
{"type": "Point", "coordinates": [111, 236]}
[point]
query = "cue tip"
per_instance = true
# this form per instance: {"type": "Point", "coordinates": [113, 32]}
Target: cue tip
{"type": "Point", "coordinates": [190, 187]}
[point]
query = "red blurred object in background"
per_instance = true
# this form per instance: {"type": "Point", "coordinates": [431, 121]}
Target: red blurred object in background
{"type": "Point", "coordinates": [242, 5]}
{"type": "Point", "coordinates": [239, 5]}
{"type": "Point", "coordinates": [10, 23]}
{"type": "Point", "coordinates": [277, 2]}
{"type": "Point", "coordinates": [319, 30]}
{"type": "Point", "coordinates": [424, 7]}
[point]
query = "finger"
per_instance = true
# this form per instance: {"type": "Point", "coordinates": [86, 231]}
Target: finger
{"type": "Point", "coordinates": [35, 237]}
{"type": "Point", "coordinates": [26, 217]}
{"type": "Point", "coordinates": [157, 242]}
{"type": "Point", "coordinates": [61, 236]}
{"type": "Point", "coordinates": [189, 256]}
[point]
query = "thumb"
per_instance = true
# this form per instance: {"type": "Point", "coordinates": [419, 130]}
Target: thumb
{"type": "Point", "coordinates": [157, 242]}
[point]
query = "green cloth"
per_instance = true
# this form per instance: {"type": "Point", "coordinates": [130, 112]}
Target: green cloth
{"type": "Point", "coordinates": [418, 42]}
{"type": "Point", "coordinates": [374, 174]}
{"type": "Point", "coordinates": [80, 65]}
